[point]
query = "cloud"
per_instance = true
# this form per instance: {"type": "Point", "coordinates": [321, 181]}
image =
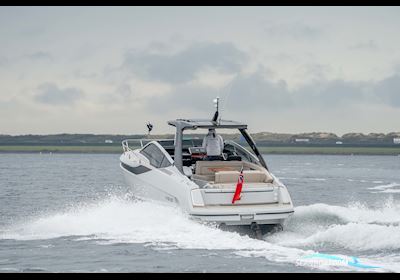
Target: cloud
{"type": "Point", "coordinates": [256, 93]}
{"type": "Point", "coordinates": [39, 56]}
{"type": "Point", "coordinates": [246, 92]}
{"type": "Point", "coordinates": [331, 94]}
{"type": "Point", "coordinates": [186, 97]}
{"type": "Point", "coordinates": [370, 45]}
{"type": "Point", "coordinates": [317, 71]}
{"type": "Point", "coordinates": [35, 56]}
{"type": "Point", "coordinates": [388, 90]}
{"type": "Point", "coordinates": [182, 67]}
{"type": "Point", "coordinates": [3, 61]}
{"type": "Point", "coordinates": [158, 46]}
{"type": "Point", "coordinates": [125, 91]}
{"type": "Point", "coordinates": [270, 105]}
{"type": "Point", "coordinates": [292, 30]}
{"type": "Point", "coordinates": [51, 94]}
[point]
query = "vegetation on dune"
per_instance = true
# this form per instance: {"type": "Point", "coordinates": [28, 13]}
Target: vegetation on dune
{"type": "Point", "coordinates": [268, 142]}
{"type": "Point", "coordinates": [62, 149]}
{"type": "Point", "coordinates": [264, 150]}
{"type": "Point", "coordinates": [262, 138]}
{"type": "Point", "coordinates": [332, 150]}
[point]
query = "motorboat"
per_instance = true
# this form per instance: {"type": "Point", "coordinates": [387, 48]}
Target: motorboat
{"type": "Point", "coordinates": [177, 172]}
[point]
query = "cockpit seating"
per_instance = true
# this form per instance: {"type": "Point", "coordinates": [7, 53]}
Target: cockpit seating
{"type": "Point", "coordinates": [228, 171]}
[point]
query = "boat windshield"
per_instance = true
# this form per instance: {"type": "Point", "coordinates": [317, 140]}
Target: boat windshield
{"type": "Point", "coordinates": [192, 150]}
{"type": "Point", "coordinates": [234, 149]}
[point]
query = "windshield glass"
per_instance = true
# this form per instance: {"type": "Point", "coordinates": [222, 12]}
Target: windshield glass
{"type": "Point", "coordinates": [235, 145]}
{"type": "Point", "coordinates": [234, 149]}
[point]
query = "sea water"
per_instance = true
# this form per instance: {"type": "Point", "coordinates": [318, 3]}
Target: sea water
{"type": "Point", "coordinates": [74, 213]}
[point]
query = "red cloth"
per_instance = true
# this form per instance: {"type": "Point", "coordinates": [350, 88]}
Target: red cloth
{"type": "Point", "coordinates": [239, 186]}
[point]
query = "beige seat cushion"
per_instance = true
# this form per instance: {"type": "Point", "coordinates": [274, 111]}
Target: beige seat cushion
{"type": "Point", "coordinates": [228, 171]}
{"type": "Point", "coordinates": [211, 167]}
{"type": "Point", "coordinates": [254, 176]}
{"type": "Point", "coordinates": [250, 176]}
{"type": "Point", "coordinates": [226, 176]}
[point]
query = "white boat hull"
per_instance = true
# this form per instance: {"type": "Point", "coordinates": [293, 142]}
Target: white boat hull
{"type": "Point", "coordinates": [168, 185]}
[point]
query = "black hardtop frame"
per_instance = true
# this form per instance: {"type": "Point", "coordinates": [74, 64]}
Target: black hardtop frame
{"type": "Point", "coordinates": [191, 124]}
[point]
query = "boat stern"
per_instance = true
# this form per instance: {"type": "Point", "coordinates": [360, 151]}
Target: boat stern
{"type": "Point", "coordinates": [261, 205]}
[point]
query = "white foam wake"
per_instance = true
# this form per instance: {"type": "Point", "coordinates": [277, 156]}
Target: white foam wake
{"type": "Point", "coordinates": [355, 227]}
{"type": "Point", "coordinates": [387, 212]}
{"type": "Point", "coordinates": [388, 188]}
{"type": "Point", "coordinates": [119, 220]}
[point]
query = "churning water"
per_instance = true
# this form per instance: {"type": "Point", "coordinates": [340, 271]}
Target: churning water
{"type": "Point", "coordinates": [73, 212]}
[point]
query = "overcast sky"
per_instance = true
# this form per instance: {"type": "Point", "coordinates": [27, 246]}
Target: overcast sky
{"type": "Point", "coordinates": [279, 69]}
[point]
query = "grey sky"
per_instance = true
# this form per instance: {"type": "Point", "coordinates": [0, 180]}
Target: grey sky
{"type": "Point", "coordinates": [283, 69]}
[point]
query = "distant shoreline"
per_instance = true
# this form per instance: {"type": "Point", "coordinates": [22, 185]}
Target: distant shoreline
{"type": "Point", "coordinates": [265, 150]}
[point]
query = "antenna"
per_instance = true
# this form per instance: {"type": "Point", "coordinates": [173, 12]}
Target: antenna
{"type": "Point", "coordinates": [216, 104]}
